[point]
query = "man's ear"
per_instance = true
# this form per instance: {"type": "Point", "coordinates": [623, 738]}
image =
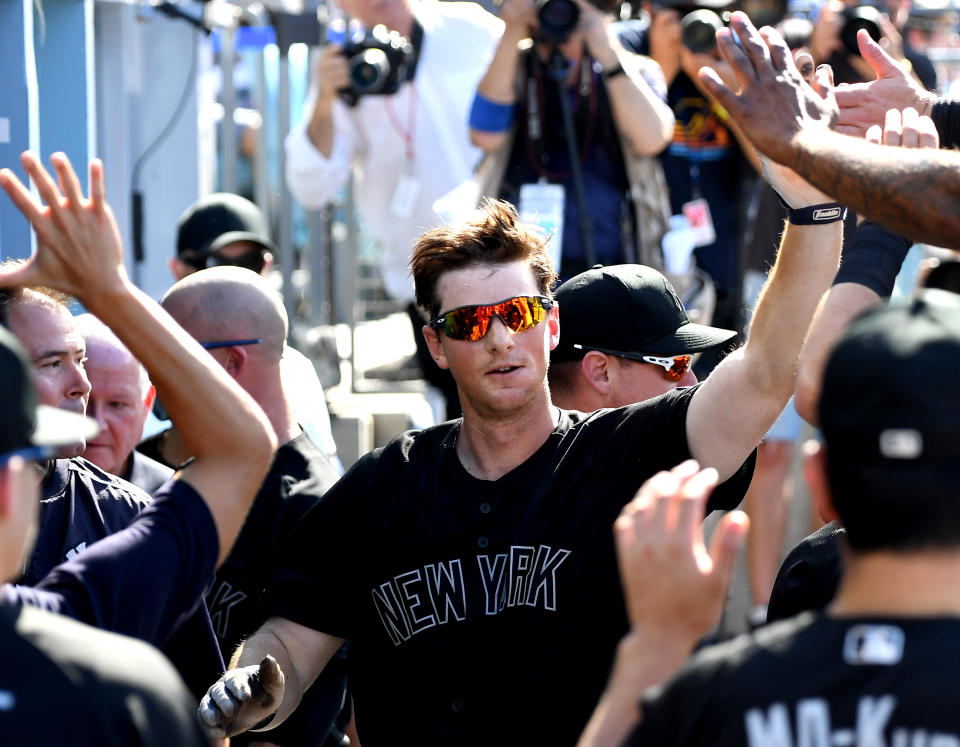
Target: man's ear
{"type": "Point", "coordinates": [435, 346]}
{"type": "Point", "coordinates": [815, 473]}
{"type": "Point", "coordinates": [8, 486]}
{"type": "Point", "coordinates": [596, 369]}
{"type": "Point", "coordinates": [180, 269]}
{"type": "Point", "coordinates": [150, 398]}
{"type": "Point", "coordinates": [553, 320]}
{"type": "Point", "coordinates": [236, 360]}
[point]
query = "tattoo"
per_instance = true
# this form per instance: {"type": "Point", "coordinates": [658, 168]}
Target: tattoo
{"type": "Point", "coordinates": [912, 192]}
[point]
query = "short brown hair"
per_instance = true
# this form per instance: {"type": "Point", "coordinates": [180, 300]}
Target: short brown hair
{"type": "Point", "coordinates": [28, 293]}
{"type": "Point", "coordinates": [494, 235]}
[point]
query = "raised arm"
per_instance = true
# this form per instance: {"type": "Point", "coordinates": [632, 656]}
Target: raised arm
{"type": "Point", "coordinates": [870, 266]}
{"type": "Point", "coordinates": [491, 115]}
{"type": "Point", "coordinates": [79, 252]}
{"type": "Point", "coordinates": [914, 193]}
{"type": "Point", "coordinates": [642, 117]}
{"type": "Point", "coordinates": [742, 397]}
{"type": "Point", "coordinates": [269, 673]}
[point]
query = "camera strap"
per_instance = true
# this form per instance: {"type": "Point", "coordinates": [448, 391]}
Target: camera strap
{"type": "Point", "coordinates": [409, 132]}
{"type": "Point", "coordinates": [584, 109]}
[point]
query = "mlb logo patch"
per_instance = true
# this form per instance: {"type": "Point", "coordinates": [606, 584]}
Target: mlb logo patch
{"type": "Point", "coordinates": [873, 644]}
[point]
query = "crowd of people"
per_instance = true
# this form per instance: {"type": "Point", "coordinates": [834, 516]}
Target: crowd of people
{"type": "Point", "coordinates": [533, 570]}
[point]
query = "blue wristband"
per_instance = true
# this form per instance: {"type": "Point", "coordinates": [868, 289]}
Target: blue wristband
{"type": "Point", "coordinates": [489, 116]}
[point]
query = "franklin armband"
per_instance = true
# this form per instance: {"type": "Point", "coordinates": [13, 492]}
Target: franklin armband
{"type": "Point", "coordinates": [814, 215]}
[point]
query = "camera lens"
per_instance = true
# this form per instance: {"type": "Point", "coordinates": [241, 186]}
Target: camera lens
{"type": "Point", "coordinates": [699, 30]}
{"type": "Point", "coordinates": [861, 17]}
{"type": "Point", "coordinates": [558, 19]}
{"type": "Point", "coordinates": [369, 70]}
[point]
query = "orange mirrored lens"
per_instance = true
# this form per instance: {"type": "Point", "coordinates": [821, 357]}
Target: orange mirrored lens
{"type": "Point", "coordinates": [681, 364]}
{"type": "Point", "coordinates": [471, 322]}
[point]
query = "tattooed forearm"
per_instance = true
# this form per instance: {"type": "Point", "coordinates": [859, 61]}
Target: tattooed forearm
{"type": "Point", "coordinates": [913, 192]}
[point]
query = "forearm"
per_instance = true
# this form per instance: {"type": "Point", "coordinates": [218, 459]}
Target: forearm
{"type": "Point", "coordinates": [642, 660]}
{"type": "Point", "coordinates": [221, 425]}
{"type": "Point", "coordinates": [320, 126]}
{"type": "Point", "coordinates": [498, 88]}
{"type": "Point", "coordinates": [746, 392]}
{"type": "Point", "coordinates": [251, 652]}
{"type": "Point", "coordinates": [839, 306]}
{"type": "Point", "coordinates": [214, 415]}
{"type": "Point", "coordinates": [498, 83]}
{"type": "Point", "coordinates": [913, 192]}
{"type": "Point", "coordinates": [641, 116]}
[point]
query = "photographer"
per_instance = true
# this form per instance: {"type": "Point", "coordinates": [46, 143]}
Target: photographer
{"type": "Point", "coordinates": [410, 147]}
{"type": "Point", "coordinates": [617, 116]}
{"type": "Point", "coordinates": [704, 166]}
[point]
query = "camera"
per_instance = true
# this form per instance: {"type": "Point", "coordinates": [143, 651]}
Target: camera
{"type": "Point", "coordinates": [557, 19]}
{"type": "Point", "coordinates": [378, 63]}
{"type": "Point", "coordinates": [861, 17]}
{"type": "Point", "coordinates": [699, 23]}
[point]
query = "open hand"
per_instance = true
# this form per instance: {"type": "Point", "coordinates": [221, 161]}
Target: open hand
{"type": "Point", "coordinates": [774, 102]}
{"type": "Point", "coordinates": [670, 580]}
{"type": "Point", "coordinates": [78, 244]}
{"type": "Point", "coordinates": [865, 104]}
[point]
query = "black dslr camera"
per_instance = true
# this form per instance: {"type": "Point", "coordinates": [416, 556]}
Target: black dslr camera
{"type": "Point", "coordinates": [699, 24]}
{"type": "Point", "coordinates": [378, 63]}
{"type": "Point", "coordinates": [557, 19]}
{"type": "Point", "coordinates": [861, 17]}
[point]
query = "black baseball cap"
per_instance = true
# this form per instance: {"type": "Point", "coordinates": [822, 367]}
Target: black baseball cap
{"type": "Point", "coordinates": [217, 220]}
{"type": "Point", "coordinates": [24, 423]}
{"type": "Point", "coordinates": [891, 387]}
{"type": "Point", "coordinates": [630, 309]}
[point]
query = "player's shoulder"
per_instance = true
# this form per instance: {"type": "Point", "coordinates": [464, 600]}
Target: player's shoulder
{"type": "Point", "coordinates": [104, 484]}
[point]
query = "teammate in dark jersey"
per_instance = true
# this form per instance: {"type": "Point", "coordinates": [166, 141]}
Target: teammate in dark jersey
{"type": "Point", "coordinates": [145, 578]}
{"type": "Point", "coordinates": [875, 667]}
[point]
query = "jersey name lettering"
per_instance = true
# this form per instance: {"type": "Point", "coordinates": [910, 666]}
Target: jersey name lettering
{"type": "Point", "coordinates": [771, 727]}
{"type": "Point", "coordinates": [220, 603]}
{"type": "Point", "coordinates": [418, 600]}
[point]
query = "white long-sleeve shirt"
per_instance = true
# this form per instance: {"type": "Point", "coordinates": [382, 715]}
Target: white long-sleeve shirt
{"type": "Point", "coordinates": [458, 41]}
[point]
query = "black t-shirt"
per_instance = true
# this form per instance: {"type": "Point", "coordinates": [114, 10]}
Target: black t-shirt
{"type": "Point", "coordinates": [80, 504]}
{"type": "Point", "coordinates": [142, 581]}
{"type": "Point", "coordinates": [480, 612]}
{"type": "Point", "coordinates": [809, 576]}
{"type": "Point", "coordinates": [814, 680]}
{"type": "Point", "coordinates": [63, 683]}
{"type": "Point", "coordinates": [147, 473]}
{"type": "Point", "coordinates": [299, 476]}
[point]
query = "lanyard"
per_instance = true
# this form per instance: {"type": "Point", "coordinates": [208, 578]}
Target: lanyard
{"type": "Point", "coordinates": [585, 108]}
{"type": "Point", "coordinates": [408, 132]}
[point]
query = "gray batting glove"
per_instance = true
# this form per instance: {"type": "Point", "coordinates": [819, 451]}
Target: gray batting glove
{"type": "Point", "coordinates": [242, 699]}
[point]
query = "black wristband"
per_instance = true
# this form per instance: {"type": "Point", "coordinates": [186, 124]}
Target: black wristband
{"type": "Point", "coordinates": [613, 72]}
{"type": "Point", "coordinates": [814, 215]}
{"type": "Point", "coordinates": [873, 259]}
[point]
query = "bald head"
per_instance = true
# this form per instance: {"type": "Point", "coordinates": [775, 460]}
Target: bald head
{"type": "Point", "coordinates": [230, 303]}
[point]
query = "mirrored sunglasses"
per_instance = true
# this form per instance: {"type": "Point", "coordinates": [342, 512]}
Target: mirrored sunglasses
{"type": "Point", "coordinates": [472, 322]}
{"type": "Point", "coordinates": [674, 367]}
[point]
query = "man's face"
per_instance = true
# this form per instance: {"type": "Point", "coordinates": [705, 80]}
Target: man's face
{"type": "Point", "coordinates": [246, 254]}
{"type": "Point", "coordinates": [57, 351]}
{"type": "Point", "coordinates": [503, 371]}
{"type": "Point", "coordinates": [636, 381]}
{"type": "Point", "coordinates": [118, 403]}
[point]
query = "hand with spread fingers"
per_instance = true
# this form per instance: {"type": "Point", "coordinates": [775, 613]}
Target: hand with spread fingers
{"type": "Point", "coordinates": [242, 698]}
{"type": "Point", "coordinates": [78, 245]}
{"type": "Point", "coordinates": [863, 105]}
{"type": "Point", "coordinates": [774, 102]}
{"type": "Point", "coordinates": [671, 582]}
{"type": "Point", "coordinates": [906, 129]}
